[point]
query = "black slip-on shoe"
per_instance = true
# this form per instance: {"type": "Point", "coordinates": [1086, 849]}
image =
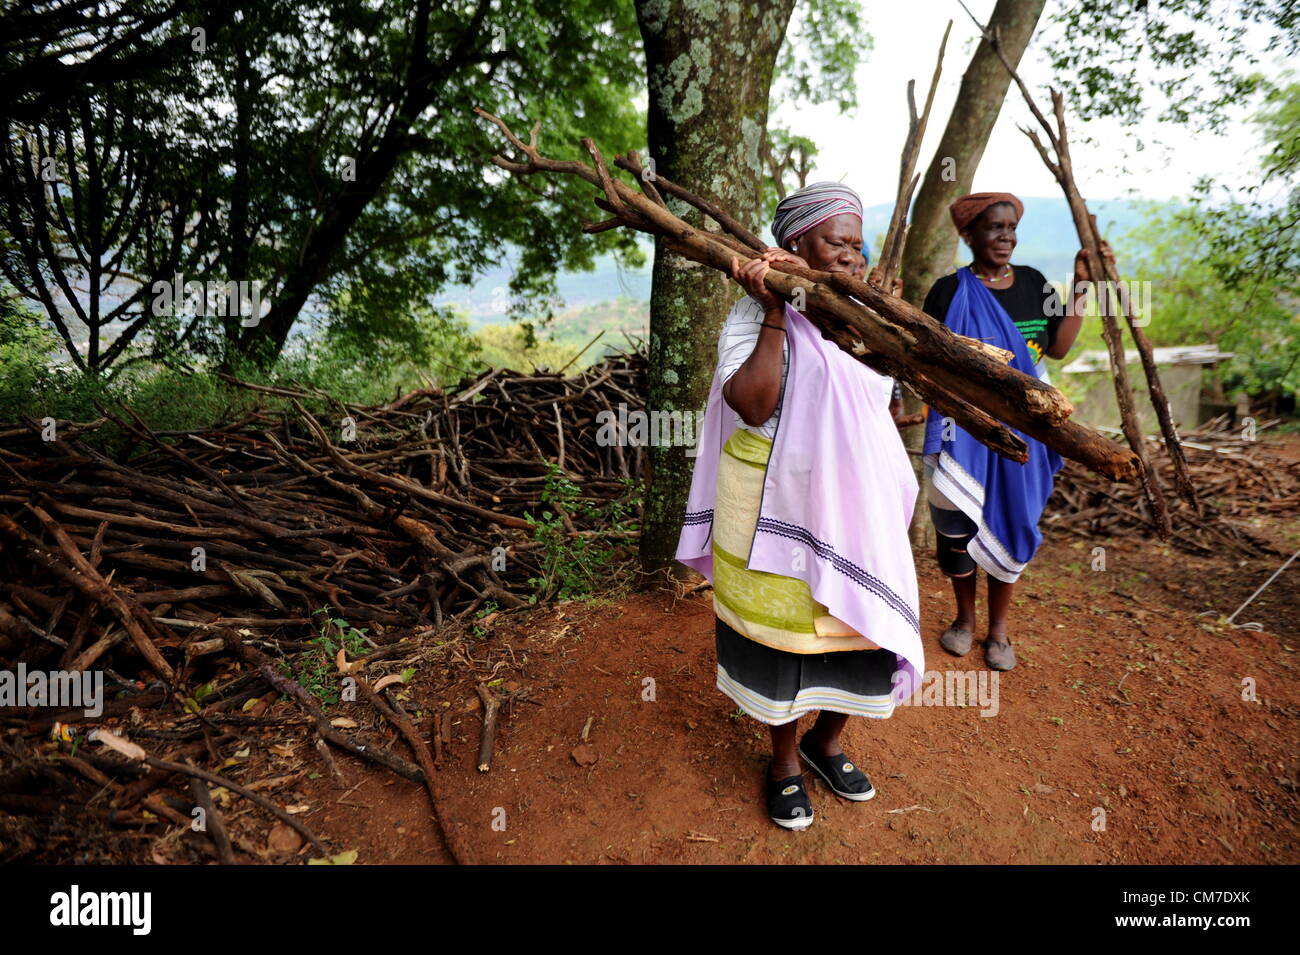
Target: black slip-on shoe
{"type": "Point", "coordinates": [788, 804]}
{"type": "Point", "coordinates": [844, 779]}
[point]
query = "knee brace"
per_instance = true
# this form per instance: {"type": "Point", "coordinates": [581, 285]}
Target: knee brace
{"type": "Point", "coordinates": [953, 558]}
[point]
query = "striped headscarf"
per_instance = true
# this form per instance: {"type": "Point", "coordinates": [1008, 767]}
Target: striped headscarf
{"type": "Point", "coordinates": [810, 206]}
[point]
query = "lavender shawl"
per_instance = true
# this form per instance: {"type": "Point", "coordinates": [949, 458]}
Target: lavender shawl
{"type": "Point", "coordinates": [837, 498]}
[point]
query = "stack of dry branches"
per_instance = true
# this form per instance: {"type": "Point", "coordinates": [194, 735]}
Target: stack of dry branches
{"type": "Point", "coordinates": [177, 555]}
{"type": "Point", "coordinates": [1245, 488]}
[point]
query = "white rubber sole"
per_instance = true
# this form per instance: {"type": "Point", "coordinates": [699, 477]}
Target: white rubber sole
{"type": "Point", "coordinates": [800, 823]}
{"type": "Point", "coordinates": [852, 797]}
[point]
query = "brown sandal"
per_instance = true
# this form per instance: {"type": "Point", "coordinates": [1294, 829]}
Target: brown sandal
{"type": "Point", "coordinates": [999, 656]}
{"type": "Point", "coordinates": [957, 641]}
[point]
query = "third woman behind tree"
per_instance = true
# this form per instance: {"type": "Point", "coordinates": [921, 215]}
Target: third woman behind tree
{"type": "Point", "coordinates": [985, 507]}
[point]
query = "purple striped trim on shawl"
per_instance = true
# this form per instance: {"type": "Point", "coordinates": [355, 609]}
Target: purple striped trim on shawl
{"type": "Point", "coordinates": [698, 517]}
{"type": "Point", "coordinates": [845, 566]}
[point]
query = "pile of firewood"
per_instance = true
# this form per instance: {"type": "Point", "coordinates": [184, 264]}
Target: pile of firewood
{"type": "Point", "coordinates": [394, 527]}
{"type": "Point", "coordinates": [161, 558]}
{"type": "Point", "coordinates": [1243, 485]}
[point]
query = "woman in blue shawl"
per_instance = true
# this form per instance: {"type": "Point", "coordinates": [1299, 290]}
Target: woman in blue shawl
{"type": "Point", "coordinates": [986, 508]}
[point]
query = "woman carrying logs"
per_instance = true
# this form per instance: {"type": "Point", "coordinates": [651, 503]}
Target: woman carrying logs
{"type": "Point", "coordinates": [986, 508]}
{"type": "Point", "coordinates": [798, 514]}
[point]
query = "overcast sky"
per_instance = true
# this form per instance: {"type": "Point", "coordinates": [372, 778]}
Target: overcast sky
{"type": "Point", "coordinates": [865, 149]}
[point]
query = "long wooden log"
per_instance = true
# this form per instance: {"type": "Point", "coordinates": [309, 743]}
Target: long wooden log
{"type": "Point", "coordinates": [882, 316]}
{"type": "Point", "coordinates": [925, 353]}
{"type": "Point", "coordinates": [1053, 404]}
{"type": "Point", "coordinates": [1182, 472]}
{"type": "Point", "coordinates": [979, 424]}
{"type": "Point", "coordinates": [649, 180]}
{"type": "Point", "coordinates": [1033, 410]}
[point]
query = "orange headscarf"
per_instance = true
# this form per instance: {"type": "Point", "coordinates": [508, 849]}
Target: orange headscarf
{"type": "Point", "coordinates": [966, 209]}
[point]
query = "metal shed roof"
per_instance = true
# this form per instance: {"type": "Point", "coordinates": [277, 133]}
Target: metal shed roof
{"type": "Point", "coordinates": [1099, 360]}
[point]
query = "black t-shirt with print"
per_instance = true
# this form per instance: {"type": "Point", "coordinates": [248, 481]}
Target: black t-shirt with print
{"type": "Point", "coordinates": [1031, 301]}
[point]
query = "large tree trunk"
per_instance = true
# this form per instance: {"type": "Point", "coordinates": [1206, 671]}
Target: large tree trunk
{"type": "Point", "coordinates": [709, 77]}
{"type": "Point", "coordinates": [931, 240]}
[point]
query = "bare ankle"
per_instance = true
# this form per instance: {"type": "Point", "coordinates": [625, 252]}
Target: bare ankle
{"type": "Point", "coordinates": [779, 771]}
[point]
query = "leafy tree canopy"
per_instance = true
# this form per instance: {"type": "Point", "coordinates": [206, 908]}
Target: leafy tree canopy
{"type": "Point", "coordinates": [326, 150]}
{"type": "Point", "coordinates": [1201, 55]}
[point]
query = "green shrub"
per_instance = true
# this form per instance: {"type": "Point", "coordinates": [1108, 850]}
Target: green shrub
{"type": "Point", "coordinates": [578, 566]}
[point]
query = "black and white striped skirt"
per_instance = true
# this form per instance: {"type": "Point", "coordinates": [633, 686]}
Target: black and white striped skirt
{"type": "Point", "coordinates": [777, 686]}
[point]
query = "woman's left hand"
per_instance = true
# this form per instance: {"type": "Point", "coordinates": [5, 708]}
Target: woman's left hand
{"type": "Point", "coordinates": [774, 254]}
{"type": "Point", "coordinates": [1081, 270]}
{"type": "Point", "coordinates": [877, 278]}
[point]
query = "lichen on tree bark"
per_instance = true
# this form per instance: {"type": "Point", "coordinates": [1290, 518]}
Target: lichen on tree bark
{"type": "Point", "coordinates": [709, 68]}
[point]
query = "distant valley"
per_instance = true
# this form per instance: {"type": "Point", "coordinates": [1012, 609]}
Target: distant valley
{"type": "Point", "coordinates": [616, 299]}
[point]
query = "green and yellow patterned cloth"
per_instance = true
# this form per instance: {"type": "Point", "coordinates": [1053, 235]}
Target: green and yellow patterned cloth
{"type": "Point", "coordinates": [771, 609]}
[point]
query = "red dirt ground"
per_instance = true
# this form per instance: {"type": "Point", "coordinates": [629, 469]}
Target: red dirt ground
{"type": "Point", "coordinates": [1125, 700]}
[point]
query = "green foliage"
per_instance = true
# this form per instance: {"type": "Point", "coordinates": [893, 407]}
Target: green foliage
{"type": "Point", "coordinates": [788, 159]}
{"type": "Point", "coordinates": [1108, 54]}
{"type": "Point", "coordinates": [508, 346]}
{"type": "Point", "coordinates": [316, 670]}
{"type": "Point", "coordinates": [578, 566]}
{"type": "Point", "coordinates": [570, 339]}
{"type": "Point", "coordinates": [195, 703]}
{"type": "Point", "coordinates": [819, 59]}
{"type": "Point", "coordinates": [1194, 301]}
{"type": "Point", "coordinates": [1279, 121]}
{"type": "Point", "coordinates": [251, 137]}
{"type": "Point", "coordinates": [622, 320]}
{"type": "Point", "coordinates": [818, 64]}
{"type": "Point", "coordinates": [1252, 229]}
{"type": "Point", "coordinates": [27, 348]}
{"type": "Point", "coordinates": [35, 383]}
{"type": "Point", "coordinates": [170, 392]}
{"type": "Point", "coordinates": [489, 607]}
{"type": "Point", "coordinates": [1226, 269]}
{"type": "Point", "coordinates": [391, 353]}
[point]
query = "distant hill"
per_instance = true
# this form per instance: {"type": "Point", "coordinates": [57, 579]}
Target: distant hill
{"type": "Point", "coordinates": [625, 322]}
{"type": "Point", "coordinates": [1047, 241]}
